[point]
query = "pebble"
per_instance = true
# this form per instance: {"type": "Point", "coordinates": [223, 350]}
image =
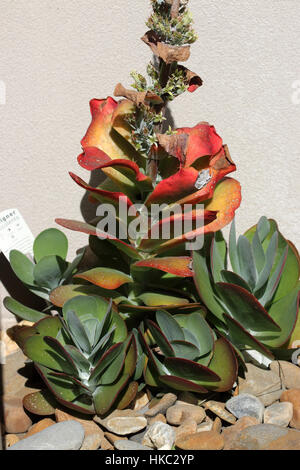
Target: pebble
{"type": "Point", "coordinates": [289, 373]}
{"type": "Point", "coordinates": [264, 384]}
{"type": "Point", "coordinates": [39, 426]}
{"type": "Point", "coordinates": [217, 425]}
{"type": "Point", "coordinates": [266, 437]}
{"type": "Point", "coordinates": [112, 438]}
{"type": "Point", "coordinates": [218, 408]}
{"type": "Point", "coordinates": [246, 405]}
{"type": "Point", "coordinates": [179, 413]}
{"type": "Point", "coordinates": [15, 418]}
{"type": "Point", "coordinates": [230, 433]}
{"type": "Point", "coordinates": [140, 401]}
{"type": "Point", "coordinates": [92, 442]}
{"type": "Point", "coordinates": [130, 445]}
{"type": "Point", "coordinates": [162, 406]}
{"type": "Point", "coordinates": [10, 440]}
{"type": "Point", "coordinates": [279, 414]}
{"type": "Point", "coordinates": [187, 427]}
{"type": "Point", "coordinates": [138, 437]}
{"type": "Point", "coordinates": [293, 396]}
{"type": "Point", "coordinates": [123, 422]}
{"type": "Point", "coordinates": [206, 425]}
{"type": "Point", "coordinates": [90, 427]}
{"type": "Point", "coordinates": [207, 440]}
{"type": "Point", "coordinates": [68, 435]}
{"type": "Point", "coordinates": [159, 436]}
{"type": "Point", "coordinates": [161, 418]}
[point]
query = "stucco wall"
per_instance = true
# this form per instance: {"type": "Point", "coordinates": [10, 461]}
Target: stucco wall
{"type": "Point", "coordinates": [56, 55]}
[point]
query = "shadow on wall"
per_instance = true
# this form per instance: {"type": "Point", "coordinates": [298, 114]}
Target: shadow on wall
{"type": "Point", "coordinates": [87, 208]}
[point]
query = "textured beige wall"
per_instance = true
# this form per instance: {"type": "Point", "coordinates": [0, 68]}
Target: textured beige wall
{"type": "Point", "coordinates": [56, 55]}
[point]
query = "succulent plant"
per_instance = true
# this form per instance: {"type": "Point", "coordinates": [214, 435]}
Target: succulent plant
{"type": "Point", "coordinates": [48, 271]}
{"type": "Point", "coordinates": [86, 357]}
{"type": "Point", "coordinates": [146, 166]}
{"type": "Point", "coordinates": [255, 305]}
{"type": "Point", "coordinates": [184, 353]}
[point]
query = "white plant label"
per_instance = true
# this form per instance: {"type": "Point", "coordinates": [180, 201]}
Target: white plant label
{"type": "Point", "coordinates": [14, 233]}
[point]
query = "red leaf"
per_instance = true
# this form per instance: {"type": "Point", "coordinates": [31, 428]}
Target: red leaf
{"type": "Point", "coordinates": [177, 265]}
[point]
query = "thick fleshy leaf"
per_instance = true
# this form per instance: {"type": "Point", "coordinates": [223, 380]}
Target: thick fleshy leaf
{"type": "Point", "coordinates": [77, 332]}
{"type": "Point", "coordinates": [233, 254]}
{"type": "Point", "coordinates": [161, 340]}
{"type": "Point", "coordinates": [21, 311]}
{"type": "Point", "coordinates": [185, 350]}
{"type": "Point", "coordinates": [224, 364]}
{"type": "Point", "coordinates": [169, 326]}
{"type": "Point", "coordinates": [105, 395]}
{"type": "Point", "coordinates": [203, 285]}
{"type": "Point", "coordinates": [203, 140]}
{"type": "Point", "coordinates": [152, 299]}
{"type": "Point", "coordinates": [107, 358]}
{"type": "Point", "coordinates": [198, 326]}
{"type": "Point", "coordinates": [50, 242]}
{"type": "Point", "coordinates": [127, 397]}
{"type": "Point", "coordinates": [40, 403]}
{"type": "Point", "coordinates": [177, 265]}
{"type": "Point", "coordinates": [245, 308]}
{"type": "Point", "coordinates": [274, 279]}
{"type": "Point", "coordinates": [258, 252]}
{"type": "Point", "coordinates": [22, 267]}
{"type": "Point", "coordinates": [285, 313]}
{"type": "Point", "coordinates": [218, 254]}
{"type": "Point", "coordinates": [242, 339]}
{"type": "Point", "coordinates": [178, 383]}
{"type": "Point", "coordinates": [105, 277]}
{"type": "Point", "coordinates": [270, 257]}
{"type": "Point", "coordinates": [83, 227]}
{"type": "Point", "coordinates": [49, 326]}
{"type": "Point", "coordinates": [233, 278]}
{"type": "Point", "coordinates": [246, 261]}
{"type": "Point", "coordinates": [49, 353]}
{"type": "Point", "coordinates": [48, 272]}
{"type": "Point", "coordinates": [62, 294]}
{"type": "Point", "coordinates": [190, 370]}
{"type": "Point", "coordinates": [104, 196]}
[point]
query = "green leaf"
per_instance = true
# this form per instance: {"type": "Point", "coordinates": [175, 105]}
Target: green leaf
{"type": "Point", "coordinates": [61, 387]}
{"type": "Point", "coordinates": [47, 352]}
{"type": "Point", "coordinates": [77, 331]}
{"type": "Point", "coordinates": [106, 395]}
{"type": "Point", "coordinates": [40, 403]}
{"type": "Point", "coordinates": [284, 312]}
{"type": "Point", "coordinates": [152, 299]}
{"type": "Point", "coordinates": [246, 261]}
{"type": "Point", "coordinates": [245, 308]}
{"type": "Point", "coordinates": [199, 327]}
{"type": "Point", "coordinates": [274, 279]}
{"type": "Point", "coordinates": [263, 228]}
{"type": "Point", "coordinates": [160, 339]}
{"type": "Point", "coordinates": [218, 255]}
{"type": "Point", "coordinates": [190, 370]}
{"type": "Point", "coordinates": [233, 278]}
{"type": "Point", "coordinates": [49, 326]}
{"type": "Point", "coordinates": [21, 311]}
{"type": "Point", "coordinates": [270, 257]}
{"type": "Point", "coordinates": [48, 271]}
{"type": "Point", "coordinates": [233, 254]}
{"type": "Point", "coordinates": [258, 252]}
{"type": "Point", "coordinates": [169, 326]}
{"type": "Point", "coordinates": [81, 362]}
{"type": "Point", "coordinates": [72, 267]}
{"type": "Point", "coordinates": [22, 267]}
{"type": "Point", "coordinates": [203, 285]}
{"type": "Point", "coordinates": [185, 350]}
{"type": "Point", "coordinates": [50, 242]}
{"type": "Point", "coordinates": [105, 361]}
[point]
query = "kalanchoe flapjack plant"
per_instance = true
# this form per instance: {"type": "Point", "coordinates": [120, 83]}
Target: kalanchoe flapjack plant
{"type": "Point", "coordinates": [86, 357]}
{"type": "Point", "coordinates": [48, 270]}
{"type": "Point", "coordinates": [147, 166]}
{"type": "Point", "coordinates": [255, 305]}
{"type": "Point", "coordinates": [183, 353]}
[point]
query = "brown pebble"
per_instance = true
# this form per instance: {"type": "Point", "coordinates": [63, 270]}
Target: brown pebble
{"type": "Point", "coordinates": [206, 440]}
{"type": "Point", "coordinates": [218, 408]}
{"type": "Point", "coordinates": [156, 418]}
{"type": "Point", "coordinates": [179, 413]}
{"type": "Point", "coordinates": [39, 426]}
{"type": "Point", "coordinates": [187, 427]}
{"type": "Point", "coordinates": [112, 438]}
{"type": "Point", "coordinates": [90, 427]}
{"type": "Point", "coordinates": [162, 406]}
{"type": "Point", "coordinates": [10, 440]}
{"type": "Point", "coordinates": [15, 418]}
{"type": "Point", "coordinates": [217, 425]}
{"type": "Point", "coordinates": [293, 396]}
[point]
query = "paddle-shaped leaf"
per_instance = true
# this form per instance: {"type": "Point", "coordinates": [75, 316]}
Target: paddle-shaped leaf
{"type": "Point", "coordinates": [246, 261]}
{"type": "Point", "coordinates": [22, 267]}
{"type": "Point", "coordinates": [50, 242]}
{"type": "Point", "coordinates": [21, 311]}
{"type": "Point", "coordinates": [161, 339]}
{"type": "Point", "coordinates": [169, 326]}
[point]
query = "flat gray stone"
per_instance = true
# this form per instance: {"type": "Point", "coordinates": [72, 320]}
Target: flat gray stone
{"type": "Point", "coordinates": [130, 445]}
{"type": "Point", "coordinates": [246, 405]}
{"type": "Point", "coordinates": [138, 437]}
{"type": "Point", "coordinates": [67, 435]}
{"type": "Point", "coordinates": [259, 437]}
